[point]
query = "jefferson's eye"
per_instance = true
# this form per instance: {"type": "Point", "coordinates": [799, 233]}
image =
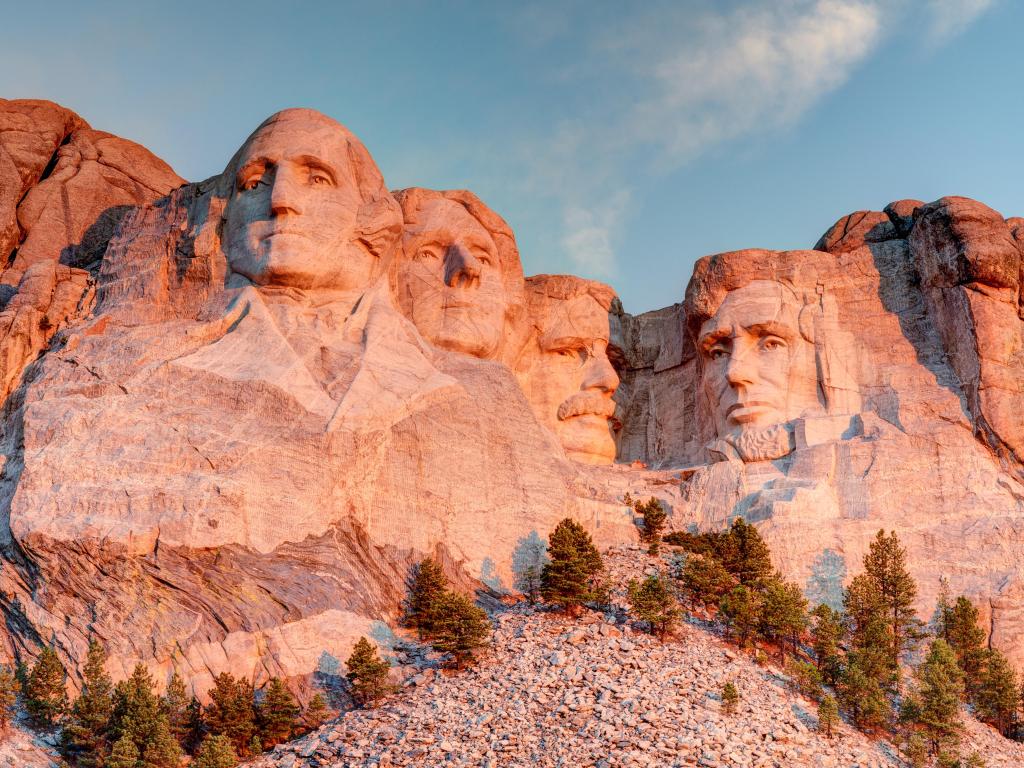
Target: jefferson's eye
{"type": "Point", "coordinates": [320, 179]}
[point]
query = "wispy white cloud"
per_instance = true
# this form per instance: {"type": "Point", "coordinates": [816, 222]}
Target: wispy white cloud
{"type": "Point", "coordinates": [948, 18]}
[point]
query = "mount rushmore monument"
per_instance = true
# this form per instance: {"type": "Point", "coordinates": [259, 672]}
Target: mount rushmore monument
{"type": "Point", "coordinates": [237, 411]}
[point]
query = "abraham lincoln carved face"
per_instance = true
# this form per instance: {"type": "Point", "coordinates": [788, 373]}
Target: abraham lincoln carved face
{"type": "Point", "coordinates": [759, 369]}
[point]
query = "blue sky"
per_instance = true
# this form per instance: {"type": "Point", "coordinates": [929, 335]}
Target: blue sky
{"type": "Point", "coordinates": [621, 141]}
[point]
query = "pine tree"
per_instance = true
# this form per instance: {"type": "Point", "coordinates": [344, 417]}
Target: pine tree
{"type": "Point", "coordinates": [174, 704]}
{"type": "Point", "coordinates": [84, 735]}
{"type": "Point", "coordinates": [828, 716]}
{"type": "Point", "coordinates": [195, 726]}
{"type": "Point", "coordinates": [804, 678]}
{"type": "Point", "coordinates": [124, 754]}
{"type": "Point", "coordinates": [569, 578]}
{"type": "Point", "coordinates": [8, 696]}
{"type": "Point", "coordinates": [741, 611]}
{"type": "Point", "coordinates": [654, 603]}
{"type": "Point", "coordinates": [916, 750]}
{"type": "Point", "coordinates": [940, 688]}
{"type": "Point", "coordinates": [46, 698]}
{"type": "Point", "coordinates": [230, 711]}
{"type": "Point", "coordinates": [967, 639]}
{"type": "Point", "coordinates": [704, 580]}
{"type": "Point", "coordinates": [255, 746]}
{"type": "Point", "coordinates": [745, 555]}
{"type": "Point", "coordinates": [995, 693]}
{"type": "Point", "coordinates": [136, 710]}
{"type": "Point", "coordinates": [885, 565]}
{"type": "Point", "coordinates": [866, 622]}
{"type": "Point", "coordinates": [783, 615]}
{"type": "Point", "coordinates": [862, 696]}
{"type": "Point", "coordinates": [277, 714]}
{"type": "Point", "coordinates": [459, 627]}
{"type": "Point", "coordinates": [943, 610]}
{"type": "Point", "coordinates": [730, 698]}
{"type": "Point", "coordinates": [826, 634]}
{"type": "Point", "coordinates": [368, 673]}
{"type": "Point", "coordinates": [316, 713]}
{"type": "Point", "coordinates": [426, 586]}
{"type": "Point", "coordinates": [654, 517]}
{"type": "Point", "coordinates": [162, 750]}
{"type": "Point", "coordinates": [216, 751]}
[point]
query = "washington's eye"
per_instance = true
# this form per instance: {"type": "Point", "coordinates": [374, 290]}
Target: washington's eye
{"type": "Point", "coordinates": [320, 179]}
{"type": "Point", "coordinates": [773, 343]}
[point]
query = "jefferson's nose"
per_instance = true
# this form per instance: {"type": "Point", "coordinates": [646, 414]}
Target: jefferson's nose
{"type": "Point", "coordinates": [599, 374]}
{"type": "Point", "coordinates": [461, 266]}
{"type": "Point", "coordinates": [284, 194]}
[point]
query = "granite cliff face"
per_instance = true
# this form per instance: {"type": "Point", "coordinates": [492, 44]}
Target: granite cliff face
{"type": "Point", "coordinates": [236, 411]}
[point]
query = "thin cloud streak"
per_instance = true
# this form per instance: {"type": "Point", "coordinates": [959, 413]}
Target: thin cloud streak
{"type": "Point", "coordinates": [949, 18]}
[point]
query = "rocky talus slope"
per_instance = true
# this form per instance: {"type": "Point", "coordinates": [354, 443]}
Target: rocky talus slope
{"type": "Point", "coordinates": [596, 692]}
{"type": "Point", "coordinates": [20, 748]}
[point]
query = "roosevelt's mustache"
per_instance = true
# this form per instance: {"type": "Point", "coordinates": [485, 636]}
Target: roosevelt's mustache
{"type": "Point", "coordinates": [584, 403]}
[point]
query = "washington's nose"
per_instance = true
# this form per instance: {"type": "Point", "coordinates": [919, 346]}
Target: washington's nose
{"type": "Point", "coordinates": [284, 198]}
{"type": "Point", "coordinates": [461, 267]}
{"type": "Point", "coordinates": [599, 374]}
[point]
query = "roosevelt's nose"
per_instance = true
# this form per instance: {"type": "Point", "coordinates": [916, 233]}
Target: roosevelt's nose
{"type": "Point", "coordinates": [599, 374]}
{"type": "Point", "coordinates": [461, 267]}
{"type": "Point", "coordinates": [284, 193]}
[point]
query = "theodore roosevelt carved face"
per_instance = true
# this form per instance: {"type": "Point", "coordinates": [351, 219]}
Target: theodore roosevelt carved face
{"type": "Point", "coordinates": [759, 369]}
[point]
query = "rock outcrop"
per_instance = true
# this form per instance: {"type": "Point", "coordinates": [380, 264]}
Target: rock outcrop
{"type": "Point", "coordinates": [236, 411]}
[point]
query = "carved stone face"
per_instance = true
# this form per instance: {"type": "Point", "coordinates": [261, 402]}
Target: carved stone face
{"type": "Point", "coordinates": [758, 369]}
{"type": "Point", "coordinates": [450, 283]}
{"type": "Point", "coordinates": [291, 217]}
{"type": "Point", "coordinates": [571, 382]}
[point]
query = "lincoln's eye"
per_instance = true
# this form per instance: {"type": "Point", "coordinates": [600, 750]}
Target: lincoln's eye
{"type": "Point", "coordinates": [250, 184]}
{"type": "Point", "coordinates": [426, 253]}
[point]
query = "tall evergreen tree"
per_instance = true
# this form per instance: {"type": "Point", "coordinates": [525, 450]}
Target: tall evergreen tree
{"type": "Point", "coordinates": [943, 610]}
{"type": "Point", "coordinates": [195, 728]}
{"type": "Point", "coordinates": [277, 714]}
{"type": "Point", "coordinates": [654, 603]}
{"type": "Point", "coordinates": [654, 516]}
{"type": "Point", "coordinates": [426, 585]}
{"type": "Point", "coordinates": [124, 755]}
{"type": "Point", "coordinates": [705, 581]}
{"type": "Point", "coordinates": [316, 713]}
{"type": "Point", "coordinates": [8, 696]}
{"type": "Point", "coordinates": [828, 716]}
{"type": "Point", "coordinates": [965, 636]}
{"type": "Point", "coordinates": [940, 688]}
{"type": "Point", "coordinates": [46, 698]}
{"type": "Point", "coordinates": [174, 704]}
{"type": "Point", "coordinates": [162, 749]}
{"type": "Point", "coordinates": [368, 673]}
{"type": "Point", "coordinates": [783, 615]}
{"type": "Point", "coordinates": [84, 735]}
{"type": "Point", "coordinates": [995, 694]}
{"type": "Point", "coordinates": [826, 635]}
{"type": "Point", "coordinates": [460, 627]}
{"type": "Point", "coordinates": [885, 565]}
{"type": "Point", "coordinates": [862, 696]}
{"type": "Point", "coordinates": [569, 579]}
{"type": "Point", "coordinates": [216, 751]}
{"type": "Point", "coordinates": [741, 610]}
{"type": "Point", "coordinates": [230, 711]}
{"type": "Point", "coordinates": [866, 622]}
{"type": "Point", "coordinates": [745, 554]}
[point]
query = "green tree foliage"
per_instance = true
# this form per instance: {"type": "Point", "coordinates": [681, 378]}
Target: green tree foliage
{"type": "Point", "coordinates": [783, 615]}
{"type": "Point", "coordinates": [136, 710]}
{"type": "Point", "coordinates": [124, 754]}
{"type": "Point", "coordinates": [460, 627]}
{"type": "Point", "coordinates": [828, 716]}
{"type": "Point", "coordinates": [826, 635]}
{"type": "Point", "coordinates": [316, 713]}
{"type": "Point", "coordinates": [730, 698]}
{"type": "Point", "coordinates": [195, 725]}
{"type": "Point", "coordinates": [939, 688]}
{"type": "Point", "coordinates": [231, 712]}
{"type": "Point", "coordinates": [653, 602]}
{"type": "Point", "coordinates": [277, 714]}
{"type": "Point", "coordinates": [740, 609]}
{"type": "Point", "coordinates": [965, 636]}
{"type": "Point", "coordinates": [84, 735]}
{"type": "Point", "coordinates": [805, 678]}
{"type": "Point", "coordinates": [745, 555]}
{"type": "Point", "coordinates": [426, 586]}
{"type": "Point", "coordinates": [175, 706]}
{"type": "Point", "coordinates": [654, 516]}
{"type": "Point", "coordinates": [885, 565]}
{"type": "Point", "coordinates": [916, 750]}
{"type": "Point", "coordinates": [867, 626]}
{"type": "Point", "coordinates": [8, 696]}
{"type": "Point", "coordinates": [46, 698]}
{"type": "Point", "coordinates": [705, 581]}
{"type": "Point", "coordinates": [996, 693]}
{"type": "Point", "coordinates": [862, 696]}
{"type": "Point", "coordinates": [162, 749]}
{"type": "Point", "coordinates": [216, 751]}
{"type": "Point", "coordinates": [368, 674]}
{"type": "Point", "coordinates": [570, 578]}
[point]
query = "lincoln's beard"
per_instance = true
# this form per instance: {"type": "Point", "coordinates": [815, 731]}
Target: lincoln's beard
{"type": "Point", "coordinates": [753, 445]}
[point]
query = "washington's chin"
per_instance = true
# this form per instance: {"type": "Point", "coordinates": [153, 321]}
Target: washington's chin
{"type": "Point", "coordinates": [587, 439]}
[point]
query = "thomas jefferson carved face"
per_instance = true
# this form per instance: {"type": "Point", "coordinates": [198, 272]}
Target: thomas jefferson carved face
{"type": "Point", "coordinates": [759, 370]}
{"type": "Point", "coordinates": [451, 281]}
{"type": "Point", "coordinates": [571, 381]}
{"type": "Point", "coordinates": [291, 217]}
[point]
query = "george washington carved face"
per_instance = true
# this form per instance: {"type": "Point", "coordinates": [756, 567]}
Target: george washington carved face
{"type": "Point", "coordinates": [759, 369]}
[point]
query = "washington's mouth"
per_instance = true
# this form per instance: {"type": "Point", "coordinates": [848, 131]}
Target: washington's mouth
{"type": "Point", "coordinates": [283, 232]}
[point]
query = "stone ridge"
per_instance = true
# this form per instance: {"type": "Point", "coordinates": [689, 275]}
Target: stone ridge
{"type": "Point", "coordinates": [596, 692]}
